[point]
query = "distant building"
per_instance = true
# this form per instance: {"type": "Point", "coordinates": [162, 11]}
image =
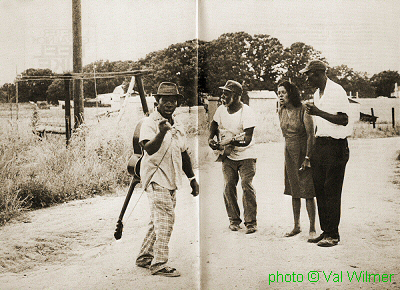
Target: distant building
{"type": "Point", "coordinates": [396, 93]}
{"type": "Point", "coordinates": [263, 99]}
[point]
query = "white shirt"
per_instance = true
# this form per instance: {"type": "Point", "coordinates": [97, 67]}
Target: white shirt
{"type": "Point", "coordinates": [231, 125]}
{"type": "Point", "coordinates": [165, 166]}
{"type": "Point", "coordinates": [333, 101]}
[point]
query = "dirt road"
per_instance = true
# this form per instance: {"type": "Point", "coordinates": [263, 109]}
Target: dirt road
{"type": "Point", "coordinates": [71, 246]}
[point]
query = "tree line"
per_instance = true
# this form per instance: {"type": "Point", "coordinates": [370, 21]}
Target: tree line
{"type": "Point", "coordinates": [199, 67]}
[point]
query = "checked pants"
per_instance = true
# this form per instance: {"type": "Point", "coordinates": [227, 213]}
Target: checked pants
{"type": "Point", "coordinates": [154, 250]}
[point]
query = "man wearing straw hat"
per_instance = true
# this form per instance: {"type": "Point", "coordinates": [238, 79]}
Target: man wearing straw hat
{"type": "Point", "coordinates": [165, 156]}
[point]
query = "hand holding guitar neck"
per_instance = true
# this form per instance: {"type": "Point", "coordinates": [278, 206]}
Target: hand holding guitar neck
{"type": "Point", "coordinates": [225, 148]}
{"type": "Point", "coordinates": [229, 140]}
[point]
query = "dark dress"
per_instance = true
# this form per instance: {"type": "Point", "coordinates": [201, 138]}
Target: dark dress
{"type": "Point", "coordinates": [298, 184]}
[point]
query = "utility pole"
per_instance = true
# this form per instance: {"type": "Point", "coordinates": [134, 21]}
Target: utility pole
{"type": "Point", "coordinates": [77, 62]}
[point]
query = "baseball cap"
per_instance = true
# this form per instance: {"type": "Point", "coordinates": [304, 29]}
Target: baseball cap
{"type": "Point", "coordinates": [232, 86]}
{"type": "Point", "coordinates": [314, 65]}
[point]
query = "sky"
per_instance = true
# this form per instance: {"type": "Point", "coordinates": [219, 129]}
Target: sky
{"type": "Point", "coordinates": [362, 34]}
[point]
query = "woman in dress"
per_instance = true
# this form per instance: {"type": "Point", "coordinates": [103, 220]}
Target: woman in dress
{"type": "Point", "coordinates": [298, 130]}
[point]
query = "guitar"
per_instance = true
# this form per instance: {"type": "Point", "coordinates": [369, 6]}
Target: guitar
{"type": "Point", "coordinates": [134, 162]}
{"type": "Point", "coordinates": [226, 147]}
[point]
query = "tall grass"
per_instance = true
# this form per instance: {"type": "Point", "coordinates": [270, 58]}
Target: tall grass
{"type": "Point", "coordinates": [36, 173]}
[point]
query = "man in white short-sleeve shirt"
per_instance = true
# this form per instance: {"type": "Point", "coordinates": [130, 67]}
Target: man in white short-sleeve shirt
{"type": "Point", "coordinates": [331, 152]}
{"type": "Point", "coordinates": [238, 158]}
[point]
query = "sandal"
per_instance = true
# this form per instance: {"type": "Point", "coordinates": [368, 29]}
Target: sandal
{"type": "Point", "coordinates": [146, 266]}
{"type": "Point", "coordinates": [167, 272]}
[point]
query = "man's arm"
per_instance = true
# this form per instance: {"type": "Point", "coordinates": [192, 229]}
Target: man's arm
{"type": "Point", "coordinates": [187, 165]}
{"type": "Point", "coordinates": [213, 132]}
{"type": "Point", "coordinates": [247, 138]}
{"type": "Point", "coordinates": [338, 119]}
{"type": "Point", "coordinates": [187, 168]}
{"type": "Point", "coordinates": [153, 145]}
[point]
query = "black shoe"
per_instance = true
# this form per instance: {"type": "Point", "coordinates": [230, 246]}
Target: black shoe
{"type": "Point", "coordinates": [328, 242]}
{"type": "Point", "coordinates": [234, 227]}
{"type": "Point", "coordinates": [251, 229]}
{"type": "Point", "coordinates": [317, 239]}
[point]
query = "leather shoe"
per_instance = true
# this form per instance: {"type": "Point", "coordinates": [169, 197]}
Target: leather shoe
{"type": "Point", "coordinates": [234, 227]}
{"type": "Point", "coordinates": [251, 229]}
{"type": "Point", "coordinates": [317, 239]}
{"type": "Point", "coordinates": [328, 242]}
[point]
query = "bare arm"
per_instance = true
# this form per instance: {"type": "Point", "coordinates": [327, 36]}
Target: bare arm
{"type": "Point", "coordinates": [187, 165]}
{"type": "Point", "coordinates": [213, 132]}
{"type": "Point", "coordinates": [153, 145]}
{"type": "Point", "coordinates": [308, 123]}
{"type": "Point", "coordinates": [187, 168]}
{"type": "Point", "coordinates": [247, 138]}
{"type": "Point", "coordinates": [338, 119]}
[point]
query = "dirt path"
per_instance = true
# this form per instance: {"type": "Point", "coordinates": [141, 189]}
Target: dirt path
{"type": "Point", "coordinates": [71, 246]}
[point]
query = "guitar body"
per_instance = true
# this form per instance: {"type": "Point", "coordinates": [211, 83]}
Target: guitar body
{"type": "Point", "coordinates": [226, 147]}
{"type": "Point", "coordinates": [134, 161]}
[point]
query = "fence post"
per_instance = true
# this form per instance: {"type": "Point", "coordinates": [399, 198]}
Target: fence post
{"type": "Point", "coordinates": [373, 119]}
{"type": "Point", "coordinates": [393, 119]}
{"type": "Point", "coordinates": [67, 82]}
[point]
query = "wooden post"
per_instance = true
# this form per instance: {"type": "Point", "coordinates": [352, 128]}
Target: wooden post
{"type": "Point", "coordinates": [373, 119]}
{"type": "Point", "coordinates": [77, 61]}
{"type": "Point", "coordinates": [67, 83]}
{"type": "Point", "coordinates": [139, 84]}
{"type": "Point", "coordinates": [16, 98]}
{"type": "Point", "coordinates": [212, 107]}
{"type": "Point", "coordinates": [393, 119]}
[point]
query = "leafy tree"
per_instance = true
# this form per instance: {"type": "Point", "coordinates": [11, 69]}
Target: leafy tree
{"type": "Point", "coordinates": [384, 82]}
{"type": "Point", "coordinates": [7, 93]}
{"type": "Point", "coordinates": [352, 81]}
{"type": "Point", "coordinates": [178, 64]}
{"type": "Point", "coordinates": [104, 85]}
{"type": "Point", "coordinates": [56, 91]}
{"type": "Point", "coordinates": [35, 89]}
{"type": "Point", "coordinates": [263, 59]}
{"type": "Point", "coordinates": [223, 59]}
{"type": "Point", "coordinates": [294, 59]}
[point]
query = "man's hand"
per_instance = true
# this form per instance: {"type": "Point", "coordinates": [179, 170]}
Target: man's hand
{"type": "Point", "coordinates": [195, 187]}
{"type": "Point", "coordinates": [311, 109]}
{"type": "Point", "coordinates": [306, 164]}
{"type": "Point", "coordinates": [164, 126]}
{"type": "Point", "coordinates": [213, 144]}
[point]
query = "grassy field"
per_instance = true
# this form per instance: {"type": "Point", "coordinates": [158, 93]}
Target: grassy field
{"type": "Point", "coordinates": [37, 172]}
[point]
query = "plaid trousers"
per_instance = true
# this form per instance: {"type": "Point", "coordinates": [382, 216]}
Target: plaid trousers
{"type": "Point", "coordinates": [154, 251]}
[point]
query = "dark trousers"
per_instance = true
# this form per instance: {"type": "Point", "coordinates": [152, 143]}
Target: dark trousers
{"type": "Point", "coordinates": [246, 169]}
{"type": "Point", "coordinates": [328, 161]}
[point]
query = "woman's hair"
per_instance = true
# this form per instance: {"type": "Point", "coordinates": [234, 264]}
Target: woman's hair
{"type": "Point", "coordinates": [293, 93]}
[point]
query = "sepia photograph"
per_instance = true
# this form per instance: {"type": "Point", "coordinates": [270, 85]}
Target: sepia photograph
{"type": "Point", "coordinates": [200, 144]}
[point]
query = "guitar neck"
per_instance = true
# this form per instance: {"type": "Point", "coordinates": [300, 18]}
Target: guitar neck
{"type": "Point", "coordinates": [234, 138]}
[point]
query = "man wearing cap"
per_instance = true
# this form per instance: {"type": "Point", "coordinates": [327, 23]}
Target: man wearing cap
{"type": "Point", "coordinates": [232, 119]}
{"type": "Point", "coordinates": [165, 156]}
{"type": "Point", "coordinates": [331, 152]}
